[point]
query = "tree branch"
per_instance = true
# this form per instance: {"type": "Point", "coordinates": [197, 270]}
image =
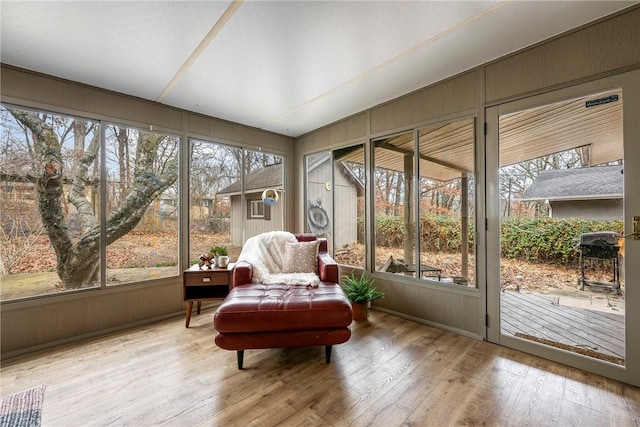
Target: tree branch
{"type": "Point", "coordinates": [77, 196]}
{"type": "Point", "coordinates": [147, 185]}
{"type": "Point", "coordinates": [49, 183]}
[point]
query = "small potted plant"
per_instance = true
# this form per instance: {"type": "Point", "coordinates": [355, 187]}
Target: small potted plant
{"type": "Point", "coordinates": [360, 291]}
{"type": "Point", "coordinates": [221, 255]}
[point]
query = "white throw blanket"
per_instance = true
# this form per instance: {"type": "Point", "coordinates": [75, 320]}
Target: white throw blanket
{"type": "Point", "coordinates": [265, 253]}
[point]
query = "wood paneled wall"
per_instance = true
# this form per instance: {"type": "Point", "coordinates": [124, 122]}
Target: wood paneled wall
{"type": "Point", "coordinates": [450, 97]}
{"type": "Point", "coordinates": [39, 323]}
{"type": "Point", "coordinates": [352, 128]}
{"type": "Point", "coordinates": [65, 96]}
{"type": "Point", "coordinates": [34, 324]}
{"type": "Point", "coordinates": [609, 46]}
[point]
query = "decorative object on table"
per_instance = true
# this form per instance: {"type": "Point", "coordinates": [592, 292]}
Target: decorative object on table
{"type": "Point", "coordinates": [360, 291]}
{"type": "Point", "coordinates": [221, 256]}
{"type": "Point", "coordinates": [223, 261]}
{"type": "Point", "coordinates": [206, 261]}
{"type": "Point", "coordinates": [23, 408]}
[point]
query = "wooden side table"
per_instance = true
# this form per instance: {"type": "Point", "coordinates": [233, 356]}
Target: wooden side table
{"type": "Point", "coordinates": [204, 285]}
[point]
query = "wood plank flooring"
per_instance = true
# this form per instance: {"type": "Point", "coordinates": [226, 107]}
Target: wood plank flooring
{"type": "Point", "coordinates": [392, 372]}
{"type": "Point", "coordinates": [536, 315]}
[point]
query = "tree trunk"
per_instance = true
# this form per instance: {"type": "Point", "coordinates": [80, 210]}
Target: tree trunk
{"type": "Point", "coordinates": [78, 263]}
{"type": "Point", "coordinates": [82, 263]}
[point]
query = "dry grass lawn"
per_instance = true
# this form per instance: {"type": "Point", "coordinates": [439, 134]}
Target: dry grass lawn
{"type": "Point", "coordinates": [134, 254]}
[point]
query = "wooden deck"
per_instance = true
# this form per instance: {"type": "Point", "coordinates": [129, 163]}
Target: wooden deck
{"type": "Point", "coordinates": [538, 316]}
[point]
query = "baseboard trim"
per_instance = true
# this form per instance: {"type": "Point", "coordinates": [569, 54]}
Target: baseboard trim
{"type": "Point", "coordinates": [430, 323]}
{"type": "Point", "coordinates": [94, 334]}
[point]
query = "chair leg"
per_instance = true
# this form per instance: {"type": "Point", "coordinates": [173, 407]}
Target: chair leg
{"type": "Point", "coordinates": [327, 354]}
{"type": "Point", "coordinates": [240, 354]}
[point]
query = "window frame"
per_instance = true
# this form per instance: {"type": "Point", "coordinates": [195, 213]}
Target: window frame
{"type": "Point", "coordinates": [474, 205]}
{"type": "Point", "coordinates": [266, 211]}
{"type": "Point", "coordinates": [178, 199]}
{"type": "Point", "coordinates": [101, 212]}
{"type": "Point", "coordinates": [329, 181]}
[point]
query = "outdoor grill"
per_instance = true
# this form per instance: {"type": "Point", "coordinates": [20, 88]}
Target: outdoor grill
{"type": "Point", "coordinates": [601, 245]}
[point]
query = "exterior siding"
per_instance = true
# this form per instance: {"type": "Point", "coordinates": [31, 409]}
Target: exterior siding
{"type": "Point", "coordinates": [588, 209]}
{"type": "Point", "coordinates": [252, 227]}
{"type": "Point", "coordinates": [345, 196]}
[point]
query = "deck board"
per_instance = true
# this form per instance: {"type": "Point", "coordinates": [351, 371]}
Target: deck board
{"type": "Point", "coordinates": [537, 315]}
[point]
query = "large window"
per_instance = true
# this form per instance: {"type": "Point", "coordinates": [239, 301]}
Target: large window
{"type": "Point", "coordinates": [61, 210]}
{"type": "Point", "coordinates": [349, 205]}
{"type": "Point", "coordinates": [225, 204]}
{"type": "Point", "coordinates": [49, 212]}
{"type": "Point", "coordinates": [335, 205]}
{"type": "Point", "coordinates": [394, 204]}
{"type": "Point", "coordinates": [214, 188]}
{"type": "Point", "coordinates": [424, 199]}
{"type": "Point", "coordinates": [262, 172]}
{"type": "Point", "coordinates": [447, 201]}
{"type": "Point", "coordinates": [319, 189]}
{"type": "Point", "coordinates": [141, 204]}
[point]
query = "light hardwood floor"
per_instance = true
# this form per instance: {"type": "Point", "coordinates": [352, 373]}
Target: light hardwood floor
{"type": "Point", "coordinates": [392, 372]}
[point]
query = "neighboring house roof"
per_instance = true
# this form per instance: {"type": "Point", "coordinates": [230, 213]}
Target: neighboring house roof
{"type": "Point", "coordinates": [600, 182]}
{"type": "Point", "coordinates": [271, 177]}
{"type": "Point", "coordinates": [322, 159]}
{"type": "Point", "coordinates": [267, 177]}
{"type": "Point", "coordinates": [352, 177]}
{"type": "Point", "coordinates": [318, 160]}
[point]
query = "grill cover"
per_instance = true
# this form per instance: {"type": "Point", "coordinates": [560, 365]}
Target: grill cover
{"type": "Point", "coordinates": [601, 244]}
{"type": "Point", "coordinates": [599, 238]}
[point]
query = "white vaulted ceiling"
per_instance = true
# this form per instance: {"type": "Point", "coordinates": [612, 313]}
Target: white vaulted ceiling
{"type": "Point", "coordinates": [283, 66]}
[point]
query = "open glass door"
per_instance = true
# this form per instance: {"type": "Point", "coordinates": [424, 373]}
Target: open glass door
{"type": "Point", "coordinates": [557, 211]}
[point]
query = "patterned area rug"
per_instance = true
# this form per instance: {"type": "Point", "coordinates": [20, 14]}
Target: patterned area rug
{"type": "Point", "coordinates": [22, 409]}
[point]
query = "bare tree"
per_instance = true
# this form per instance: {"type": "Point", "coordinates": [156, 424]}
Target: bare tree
{"type": "Point", "coordinates": [516, 178]}
{"type": "Point", "coordinates": [213, 167]}
{"type": "Point", "coordinates": [78, 259]}
{"type": "Point", "coordinates": [255, 160]}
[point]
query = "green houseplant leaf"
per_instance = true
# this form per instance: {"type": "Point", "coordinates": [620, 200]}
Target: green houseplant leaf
{"type": "Point", "coordinates": [217, 251]}
{"type": "Point", "coordinates": [360, 290]}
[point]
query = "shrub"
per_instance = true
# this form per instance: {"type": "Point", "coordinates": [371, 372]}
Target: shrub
{"type": "Point", "coordinates": [548, 240]}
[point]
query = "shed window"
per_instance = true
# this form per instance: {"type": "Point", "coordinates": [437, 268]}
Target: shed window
{"type": "Point", "coordinates": [256, 209]}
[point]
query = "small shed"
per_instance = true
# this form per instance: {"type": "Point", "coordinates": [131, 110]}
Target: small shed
{"type": "Point", "coordinates": [259, 218]}
{"type": "Point", "coordinates": [590, 193]}
{"type": "Point", "coordinates": [326, 190]}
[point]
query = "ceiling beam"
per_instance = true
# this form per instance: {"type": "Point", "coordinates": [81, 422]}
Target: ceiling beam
{"type": "Point", "coordinates": [228, 13]}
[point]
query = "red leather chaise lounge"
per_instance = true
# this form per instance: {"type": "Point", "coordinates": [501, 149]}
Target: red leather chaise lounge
{"type": "Point", "coordinates": [261, 316]}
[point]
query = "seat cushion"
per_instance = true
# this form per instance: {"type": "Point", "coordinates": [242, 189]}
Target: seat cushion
{"type": "Point", "coordinates": [257, 307]}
